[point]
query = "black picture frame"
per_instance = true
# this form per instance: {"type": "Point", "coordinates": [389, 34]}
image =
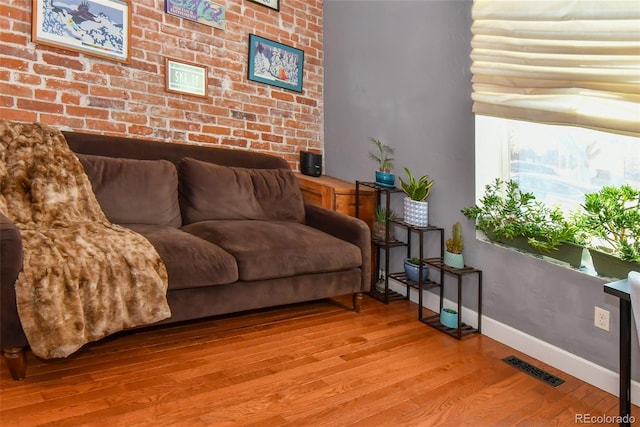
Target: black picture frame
{"type": "Point", "coordinates": [275, 63]}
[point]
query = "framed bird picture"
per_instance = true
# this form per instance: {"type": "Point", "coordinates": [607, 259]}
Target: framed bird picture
{"type": "Point", "coordinates": [94, 27]}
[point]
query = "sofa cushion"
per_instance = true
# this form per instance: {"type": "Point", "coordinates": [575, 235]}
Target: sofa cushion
{"type": "Point", "coordinates": [191, 262]}
{"type": "Point", "coordinates": [213, 192]}
{"type": "Point", "coordinates": [272, 249]}
{"type": "Point", "coordinates": [135, 191]}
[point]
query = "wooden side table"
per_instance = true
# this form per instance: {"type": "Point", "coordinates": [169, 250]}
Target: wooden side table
{"type": "Point", "coordinates": [337, 195]}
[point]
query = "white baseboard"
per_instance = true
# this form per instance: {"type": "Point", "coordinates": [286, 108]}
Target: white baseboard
{"type": "Point", "coordinates": [573, 365]}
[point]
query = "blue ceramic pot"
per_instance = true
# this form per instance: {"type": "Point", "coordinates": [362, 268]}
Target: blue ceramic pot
{"type": "Point", "coordinates": [385, 179]}
{"type": "Point", "coordinates": [412, 271]}
{"type": "Point", "coordinates": [449, 318]}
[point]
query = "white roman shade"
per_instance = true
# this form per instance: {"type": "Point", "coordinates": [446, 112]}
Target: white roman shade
{"type": "Point", "coordinates": [574, 62]}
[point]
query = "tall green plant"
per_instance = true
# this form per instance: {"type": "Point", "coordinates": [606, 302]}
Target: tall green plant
{"type": "Point", "coordinates": [611, 221]}
{"type": "Point", "coordinates": [416, 189]}
{"type": "Point", "coordinates": [384, 156]}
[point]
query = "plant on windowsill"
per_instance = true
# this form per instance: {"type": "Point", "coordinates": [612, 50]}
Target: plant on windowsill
{"type": "Point", "coordinates": [454, 246]}
{"type": "Point", "coordinates": [513, 217]}
{"type": "Point", "coordinates": [610, 222]}
{"type": "Point", "coordinates": [384, 158]}
{"type": "Point", "coordinates": [416, 206]}
{"type": "Point", "coordinates": [381, 219]}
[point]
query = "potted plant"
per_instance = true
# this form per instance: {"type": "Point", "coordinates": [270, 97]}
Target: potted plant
{"type": "Point", "coordinates": [412, 269]}
{"type": "Point", "coordinates": [416, 207]}
{"type": "Point", "coordinates": [454, 245]}
{"type": "Point", "coordinates": [381, 219]}
{"type": "Point", "coordinates": [507, 214]}
{"type": "Point", "coordinates": [611, 223]}
{"type": "Point", "coordinates": [384, 177]}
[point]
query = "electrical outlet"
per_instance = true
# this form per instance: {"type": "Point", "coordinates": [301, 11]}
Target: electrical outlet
{"type": "Point", "coordinates": [601, 318]}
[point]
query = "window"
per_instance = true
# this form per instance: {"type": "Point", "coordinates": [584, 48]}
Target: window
{"type": "Point", "coordinates": [559, 164]}
{"type": "Point", "coordinates": [558, 61]}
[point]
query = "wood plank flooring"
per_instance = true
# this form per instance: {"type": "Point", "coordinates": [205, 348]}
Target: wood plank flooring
{"type": "Point", "coordinates": [315, 364]}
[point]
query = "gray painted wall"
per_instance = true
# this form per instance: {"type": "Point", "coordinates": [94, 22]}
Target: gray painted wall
{"type": "Point", "coordinates": [399, 71]}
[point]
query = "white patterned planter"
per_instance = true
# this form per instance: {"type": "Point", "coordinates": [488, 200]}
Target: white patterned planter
{"type": "Point", "coordinates": [416, 213]}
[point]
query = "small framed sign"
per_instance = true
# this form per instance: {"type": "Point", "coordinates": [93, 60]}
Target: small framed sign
{"type": "Point", "coordinates": [273, 4]}
{"type": "Point", "coordinates": [185, 77]}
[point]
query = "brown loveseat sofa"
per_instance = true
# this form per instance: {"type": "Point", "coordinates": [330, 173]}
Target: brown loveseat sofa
{"type": "Point", "coordinates": [230, 226]}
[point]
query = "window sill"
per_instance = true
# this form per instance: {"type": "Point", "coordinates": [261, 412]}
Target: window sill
{"type": "Point", "coordinates": [586, 266]}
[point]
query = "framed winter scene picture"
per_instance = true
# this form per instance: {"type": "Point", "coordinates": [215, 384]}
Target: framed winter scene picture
{"type": "Point", "coordinates": [275, 64]}
{"type": "Point", "coordinates": [95, 27]}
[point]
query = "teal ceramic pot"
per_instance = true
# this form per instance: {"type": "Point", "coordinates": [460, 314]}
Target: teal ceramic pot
{"type": "Point", "coordinates": [449, 318]}
{"type": "Point", "coordinates": [385, 179]}
{"type": "Point", "coordinates": [453, 260]}
{"type": "Point", "coordinates": [412, 271]}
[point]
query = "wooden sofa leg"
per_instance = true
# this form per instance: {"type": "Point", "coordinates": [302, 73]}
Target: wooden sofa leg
{"type": "Point", "coordinates": [357, 302]}
{"type": "Point", "coordinates": [16, 359]}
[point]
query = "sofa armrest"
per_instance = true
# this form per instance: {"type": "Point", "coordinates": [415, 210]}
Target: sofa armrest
{"type": "Point", "coordinates": [344, 227]}
{"type": "Point", "coordinates": [11, 335]}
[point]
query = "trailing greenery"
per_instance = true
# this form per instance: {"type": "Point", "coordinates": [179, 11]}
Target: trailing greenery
{"type": "Point", "coordinates": [419, 189]}
{"type": "Point", "coordinates": [455, 244]}
{"type": "Point", "coordinates": [611, 221]}
{"type": "Point", "coordinates": [384, 156]}
{"type": "Point", "coordinates": [506, 212]}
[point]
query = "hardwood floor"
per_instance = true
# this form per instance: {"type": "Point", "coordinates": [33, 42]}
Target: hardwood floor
{"type": "Point", "coordinates": [313, 364]}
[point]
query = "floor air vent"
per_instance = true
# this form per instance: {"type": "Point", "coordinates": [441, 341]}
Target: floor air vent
{"type": "Point", "coordinates": [533, 371]}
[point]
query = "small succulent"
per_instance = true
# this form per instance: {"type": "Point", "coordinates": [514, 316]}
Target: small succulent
{"type": "Point", "coordinates": [456, 244]}
{"type": "Point", "coordinates": [382, 216]}
{"type": "Point", "coordinates": [414, 260]}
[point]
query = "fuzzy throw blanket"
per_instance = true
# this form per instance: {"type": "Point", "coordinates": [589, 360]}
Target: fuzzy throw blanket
{"type": "Point", "coordinates": [83, 277]}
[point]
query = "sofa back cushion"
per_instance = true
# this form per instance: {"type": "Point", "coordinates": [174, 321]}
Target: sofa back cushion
{"type": "Point", "coordinates": [135, 191]}
{"type": "Point", "coordinates": [209, 192]}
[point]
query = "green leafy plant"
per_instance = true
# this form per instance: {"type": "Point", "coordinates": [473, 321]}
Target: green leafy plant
{"type": "Point", "coordinates": [611, 221]}
{"type": "Point", "coordinates": [419, 189]}
{"type": "Point", "coordinates": [414, 260]}
{"type": "Point", "coordinates": [381, 215]}
{"type": "Point", "coordinates": [455, 244]}
{"type": "Point", "coordinates": [384, 156]}
{"type": "Point", "coordinates": [506, 212]}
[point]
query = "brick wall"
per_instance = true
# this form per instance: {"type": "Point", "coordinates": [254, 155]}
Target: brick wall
{"type": "Point", "coordinates": [80, 92]}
